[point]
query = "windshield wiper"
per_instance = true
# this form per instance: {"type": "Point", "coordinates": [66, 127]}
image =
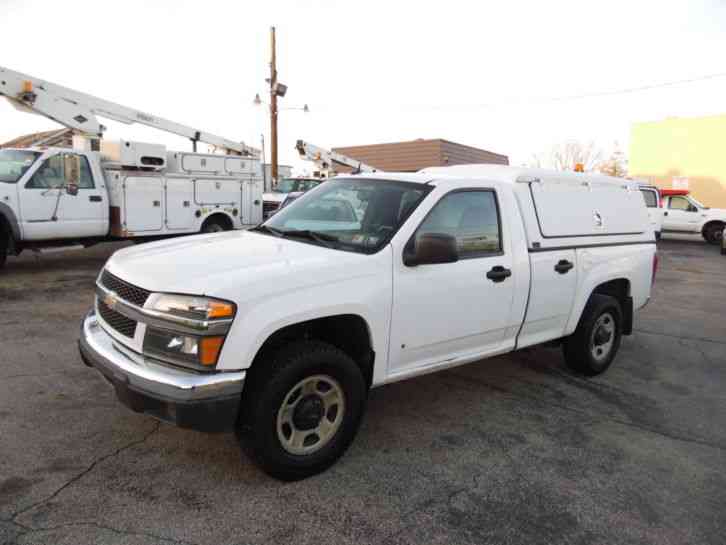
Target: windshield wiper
{"type": "Point", "coordinates": [322, 238]}
{"type": "Point", "coordinates": [267, 229]}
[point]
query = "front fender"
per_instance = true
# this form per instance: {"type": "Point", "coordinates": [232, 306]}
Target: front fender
{"type": "Point", "coordinates": [366, 294]}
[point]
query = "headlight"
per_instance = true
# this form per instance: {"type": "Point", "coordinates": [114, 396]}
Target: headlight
{"type": "Point", "coordinates": [174, 338]}
{"type": "Point", "coordinates": [187, 306]}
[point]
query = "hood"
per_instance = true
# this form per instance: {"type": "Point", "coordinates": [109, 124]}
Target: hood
{"type": "Point", "coordinates": [714, 213]}
{"type": "Point", "coordinates": [219, 264]}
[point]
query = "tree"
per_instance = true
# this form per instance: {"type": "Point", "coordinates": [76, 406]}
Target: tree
{"type": "Point", "coordinates": [615, 165]}
{"type": "Point", "coordinates": [567, 155]}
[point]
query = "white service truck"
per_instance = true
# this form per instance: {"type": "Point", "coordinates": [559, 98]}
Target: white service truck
{"type": "Point", "coordinates": [280, 331]}
{"type": "Point", "coordinates": [59, 198]}
{"type": "Point", "coordinates": [53, 198]}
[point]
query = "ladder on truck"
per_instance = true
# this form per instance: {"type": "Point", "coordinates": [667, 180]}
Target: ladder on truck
{"type": "Point", "coordinates": [325, 160]}
{"type": "Point", "coordinates": [80, 111]}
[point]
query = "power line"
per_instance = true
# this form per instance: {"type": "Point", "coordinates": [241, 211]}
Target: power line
{"type": "Point", "coordinates": [638, 89]}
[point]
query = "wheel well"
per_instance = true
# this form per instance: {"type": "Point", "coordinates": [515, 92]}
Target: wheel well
{"type": "Point", "coordinates": [620, 290]}
{"type": "Point", "coordinates": [221, 219]}
{"type": "Point", "coordinates": [348, 332]}
{"type": "Point", "coordinates": [710, 224]}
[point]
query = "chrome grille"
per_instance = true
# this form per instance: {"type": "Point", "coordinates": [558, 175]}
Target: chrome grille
{"type": "Point", "coordinates": [270, 206]}
{"type": "Point", "coordinates": [117, 321]}
{"type": "Point", "coordinates": [128, 292]}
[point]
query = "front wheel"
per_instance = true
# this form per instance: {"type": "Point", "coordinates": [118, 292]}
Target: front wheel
{"type": "Point", "coordinates": [592, 347]}
{"type": "Point", "coordinates": [4, 246]}
{"type": "Point", "coordinates": [713, 233]}
{"type": "Point", "coordinates": [301, 409]}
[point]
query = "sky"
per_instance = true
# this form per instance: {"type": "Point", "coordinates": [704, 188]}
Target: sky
{"type": "Point", "coordinates": [508, 77]}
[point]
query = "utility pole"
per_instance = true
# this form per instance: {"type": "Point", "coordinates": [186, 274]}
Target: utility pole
{"type": "Point", "coordinates": [273, 105]}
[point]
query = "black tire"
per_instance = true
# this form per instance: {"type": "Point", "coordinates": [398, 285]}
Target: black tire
{"type": "Point", "coordinates": [4, 246]}
{"type": "Point", "coordinates": [273, 380]}
{"type": "Point", "coordinates": [214, 225]}
{"type": "Point", "coordinates": [713, 233]}
{"type": "Point", "coordinates": [581, 347]}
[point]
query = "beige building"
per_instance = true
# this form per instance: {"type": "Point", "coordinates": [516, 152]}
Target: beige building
{"type": "Point", "coordinates": [682, 153]}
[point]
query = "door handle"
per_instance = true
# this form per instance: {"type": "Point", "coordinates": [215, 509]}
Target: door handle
{"type": "Point", "coordinates": [665, 213]}
{"type": "Point", "coordinates": [95, 198]}
{"type": "Point", "coordinates": [563, 266]}
{"type": "Point", "coordinates": [499, 274]}
{"type": "Point", "coordinates": [157, 203]}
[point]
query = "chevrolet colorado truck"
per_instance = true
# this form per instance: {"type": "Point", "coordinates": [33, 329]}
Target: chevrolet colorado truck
{"type": "Point", "coordinates": [279, 332]}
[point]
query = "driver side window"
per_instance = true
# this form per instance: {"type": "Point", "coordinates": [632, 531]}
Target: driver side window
{"type": "Point", "coordinates": [49, 175]}
{"type": "Point", "coordinates": [681, 203]}
{"type": "Point", "coordinates": [472, 217]}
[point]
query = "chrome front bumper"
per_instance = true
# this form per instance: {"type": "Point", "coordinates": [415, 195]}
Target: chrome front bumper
{"type": "Point", "coordinates": [206, 402]}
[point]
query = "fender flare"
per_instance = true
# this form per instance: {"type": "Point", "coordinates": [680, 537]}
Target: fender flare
{"type": "Point", "coordinates": [7, 213]}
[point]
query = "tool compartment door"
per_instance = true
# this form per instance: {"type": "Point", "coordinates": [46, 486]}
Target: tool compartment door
{"type": "Point", "coordinates": [215, 192]}
{"type": "Point", "coordinates": [143, 196]}
{"type": "Point", "coordinates": [179, 203]}
{"type": "Point", "coordinates": [567, 208]}
{"type": "Point", "coordinates": [251, 207]}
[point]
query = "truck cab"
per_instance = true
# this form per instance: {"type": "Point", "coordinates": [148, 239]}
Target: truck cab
{"type": "Point", "coordinates": [684, 215]}
{"type": "Point", "coordinates": [52, 194]}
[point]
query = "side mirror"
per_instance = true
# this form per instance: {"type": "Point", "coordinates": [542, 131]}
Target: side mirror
{"type": "Point", "coordinates": [431, 249]}
{"type": "Point", "coordinates": [72, 189]}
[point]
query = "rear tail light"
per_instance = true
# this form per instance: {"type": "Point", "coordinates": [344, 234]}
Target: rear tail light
{"type": "Point", "coordinates": [655, 267]}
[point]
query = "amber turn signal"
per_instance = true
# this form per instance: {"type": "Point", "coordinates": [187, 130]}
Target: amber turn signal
{"type": "Point", "coordinates": [209, 348]}
{"type": "Point", "coordinates": [219, 309]}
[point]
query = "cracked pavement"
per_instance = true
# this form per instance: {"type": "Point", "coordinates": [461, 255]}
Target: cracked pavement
{"type": "Point", "coordinates": [515, 449]}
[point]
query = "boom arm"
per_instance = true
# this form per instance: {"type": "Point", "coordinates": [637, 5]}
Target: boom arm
{"type": "Point", "coordinates": [78, 111]}
{"type": "Point", "coordinates": [324, 159]}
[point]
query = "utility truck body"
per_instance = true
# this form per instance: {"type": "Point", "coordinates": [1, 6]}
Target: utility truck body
{"type": "Point", "coordinates": [362, 281]}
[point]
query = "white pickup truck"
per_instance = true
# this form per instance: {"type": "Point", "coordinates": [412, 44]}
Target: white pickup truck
{"type": "Point", "coordinates": [279, 332]}
{"type": "Point", "coordinates": [57, 198]}
{"type": "Point", "coordinates": [684, 215]}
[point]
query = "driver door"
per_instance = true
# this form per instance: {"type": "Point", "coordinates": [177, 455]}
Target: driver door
{"type": "Point", "coordinates": [681, 216]}
{"type": "Point", "coordinates": [447, 311]}
{"type": "Point", "coordinates": [50, 211]}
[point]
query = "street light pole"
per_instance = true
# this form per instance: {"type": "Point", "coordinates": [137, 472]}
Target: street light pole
{"type": "Point", "coordinates": [273, 106]}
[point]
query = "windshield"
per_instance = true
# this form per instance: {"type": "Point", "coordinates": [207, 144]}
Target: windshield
{"type": "Point", "coordinates": [353, 214]}
{"type": "Point", "coordinates": [698, 204]}
{"type": "Point", "coordinates": [288, 185]}
{"type": "Point", "coordinates": [15, 163]}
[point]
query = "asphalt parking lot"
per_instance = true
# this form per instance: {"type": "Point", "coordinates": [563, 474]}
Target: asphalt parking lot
{"type": "Point", "coordinates": [515, 449]}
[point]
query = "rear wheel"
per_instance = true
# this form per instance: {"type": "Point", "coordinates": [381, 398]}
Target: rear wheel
{"type": "Point", "coordinates": [301, 409]}
{"type": "Point", "coordinates": [592, 347]}
{"type": "Point", "coordinates": [713, 233]}
{"type": "Point", "coordinates": [215, 225]}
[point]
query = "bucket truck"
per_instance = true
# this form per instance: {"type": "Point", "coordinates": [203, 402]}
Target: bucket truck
{"type": "Point", "coordinates": [58, 198]}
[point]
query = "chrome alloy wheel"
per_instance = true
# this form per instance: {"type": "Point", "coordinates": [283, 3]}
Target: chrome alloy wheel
{"type": "Point", "coordinates": [310, 415]}
{"type": "Point", "coordinates": [602, 337]}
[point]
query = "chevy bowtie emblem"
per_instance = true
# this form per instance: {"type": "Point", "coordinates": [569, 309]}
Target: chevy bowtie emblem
{"type": "Point", "coordinates": [110, 300]}
{"type": "Point", "coordinates": [598, 219]}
